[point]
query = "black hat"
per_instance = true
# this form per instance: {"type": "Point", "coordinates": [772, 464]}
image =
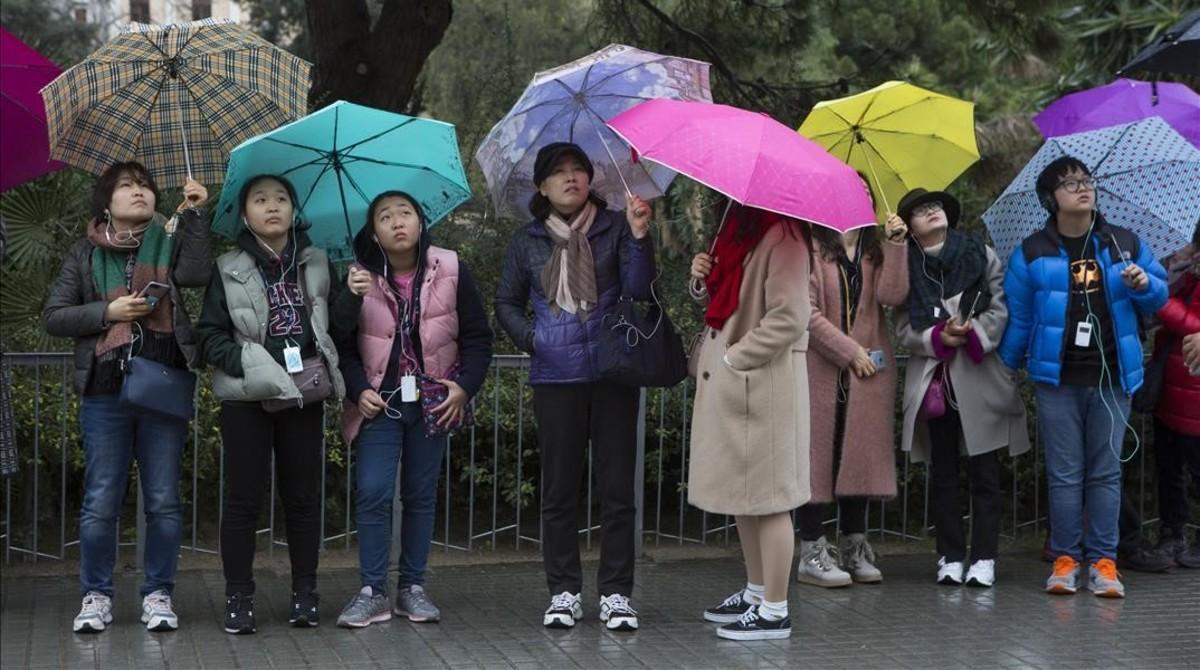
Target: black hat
{"type": "Point", "coordinates": [548, 155]}
{"type": "Point", "coordinates": [919, 196]}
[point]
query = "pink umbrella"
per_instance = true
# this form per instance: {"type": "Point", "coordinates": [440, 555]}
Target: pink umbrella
{"type": "Point", "coordinates": [23, 134]}
{"type": "Point", "coordinates": [749, 157]}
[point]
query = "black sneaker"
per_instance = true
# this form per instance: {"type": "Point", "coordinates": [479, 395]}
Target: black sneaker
{"type": "Point", "coordinates": [729, 610]}
{"type": "Point", "coordinates": [1170, 546]}
{"type": "Point", "coordinates": [239, 614]}
{"type": "Point", "coordinates": [751, 626]}
{"type": "Point", "coordinates": [304, 610]}
{"type": "Point", "coordinates": [1190, 557]}
{"type": "Point", "coordinates": [1145, 559]}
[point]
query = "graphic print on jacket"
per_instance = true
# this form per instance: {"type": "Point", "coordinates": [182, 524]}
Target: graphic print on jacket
{"type": "Point", "coordinates": [285, 301]}
{"type": "Point", "coordinates": [1084, 365]}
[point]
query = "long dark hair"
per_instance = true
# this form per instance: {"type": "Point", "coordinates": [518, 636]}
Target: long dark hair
{"type": "Point", "coordinates": [829, 242]}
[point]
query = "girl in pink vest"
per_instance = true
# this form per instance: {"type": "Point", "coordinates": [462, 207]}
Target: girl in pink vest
{"type": "Point", "coordinates": [419, 327]}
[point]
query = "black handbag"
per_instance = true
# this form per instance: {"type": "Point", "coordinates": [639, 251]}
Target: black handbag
{"type": "Point", "coordinates": [152, 386]}
{"type": "Point", "coordinates": [639, 346]}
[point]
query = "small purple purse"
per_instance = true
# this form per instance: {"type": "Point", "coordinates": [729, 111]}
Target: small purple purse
{"type": "Point", "coordinates": [434, 393]}
{"type": "Point", "coordinates": [933, 405]}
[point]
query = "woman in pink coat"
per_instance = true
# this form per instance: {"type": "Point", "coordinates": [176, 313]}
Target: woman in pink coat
{"type": "Point", "coordinates": [852, 388]}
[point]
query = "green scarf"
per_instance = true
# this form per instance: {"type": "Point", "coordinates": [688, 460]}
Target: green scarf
{"type": "Point", "coordinates": [110, 257]}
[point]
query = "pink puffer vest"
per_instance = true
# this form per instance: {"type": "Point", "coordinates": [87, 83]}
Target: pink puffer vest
{"type": "Point", "coordinates": [438, 328]}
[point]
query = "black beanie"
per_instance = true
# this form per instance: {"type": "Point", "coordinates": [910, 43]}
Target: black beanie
{"type": "Point", "coordinates": [548, 155]}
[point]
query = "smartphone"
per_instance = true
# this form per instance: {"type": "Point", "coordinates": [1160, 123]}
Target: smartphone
{"type": "Point", "coordinates": [153, 292]}
{"type": "Point", "coordinates": [877, 359]}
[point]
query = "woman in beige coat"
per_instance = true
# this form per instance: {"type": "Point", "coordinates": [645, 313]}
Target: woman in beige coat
{"type": "Point", "coordinates": [952, 324]}
{"type": "Point", "coordinates": [750, 423]}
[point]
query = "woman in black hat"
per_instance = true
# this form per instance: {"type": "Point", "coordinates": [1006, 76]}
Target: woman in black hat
{"type": "Point", "coordinates": [952, 324]}
{"type": "Point", "coordinates": [572, 263]}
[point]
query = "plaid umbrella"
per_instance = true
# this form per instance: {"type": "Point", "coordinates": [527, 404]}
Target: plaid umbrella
{"type": "Point", "coordinates": [177, 98]}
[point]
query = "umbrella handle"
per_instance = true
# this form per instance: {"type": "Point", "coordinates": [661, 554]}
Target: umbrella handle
{"type": "Point", "coordinates": [697, 285]}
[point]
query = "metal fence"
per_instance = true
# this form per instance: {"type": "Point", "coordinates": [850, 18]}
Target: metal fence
{"type": "Point", "coordinates": [488, 493]}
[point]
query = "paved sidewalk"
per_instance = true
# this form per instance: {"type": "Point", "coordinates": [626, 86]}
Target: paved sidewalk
{"type": "Point", "coordinates": [492, 619]}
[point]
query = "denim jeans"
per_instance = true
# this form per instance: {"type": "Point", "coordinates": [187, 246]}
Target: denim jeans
{"type": "Point", "coordinates": [383, 445]}
{"type": "Point", "coordinates": [113, 436]}
{"type": "Point", "coordinates": [1082, 432]}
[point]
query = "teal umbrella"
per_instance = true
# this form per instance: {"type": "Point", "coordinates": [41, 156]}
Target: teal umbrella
{"type": "Point", "coordinates": [339, 159]}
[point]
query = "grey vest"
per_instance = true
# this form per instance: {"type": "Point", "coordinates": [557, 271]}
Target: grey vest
{"type": "Point", "coordinates": [246, 297]}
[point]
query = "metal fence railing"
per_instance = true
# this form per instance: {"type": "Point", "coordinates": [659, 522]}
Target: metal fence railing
{"type": "Point", "coordinates": [488, 493]}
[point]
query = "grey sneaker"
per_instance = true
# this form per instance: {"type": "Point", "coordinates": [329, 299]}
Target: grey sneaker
{"type": "Point", "coordinates": [1065, 578]}
{"type": "Point", "coordinates": [157, 613]}
{"type": "Point", "coordinates": [364, 609]}
{"type": "Point", "coordinates": [858, 559]}
{"type": "Point", "coordinates": [819, 566]}
{"type": "Point", "coordinates": [94, 614]}
{"type": "Point", "coordinates": [1104, 580]}
{"type": "Point", "coordinates": [414, 603]}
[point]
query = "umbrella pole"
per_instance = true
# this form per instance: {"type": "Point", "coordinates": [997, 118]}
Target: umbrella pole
{"type": "Point", "coordinates": [878, 185]}
{"type": "Point", "coordinates": [187, 159]}
{"type": "Point", "coordinates": [610, 154]}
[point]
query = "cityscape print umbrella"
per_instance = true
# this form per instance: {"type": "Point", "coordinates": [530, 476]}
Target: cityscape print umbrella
{"type": "Point", "coordinates": [571, 103]}
{"type": "Point", "coordinates": [340, 158]}
{"type": "Point", "coordinates": [1123, 101]}
{"type": "Point", "coordinates": [23, 72]}
{"type": "Point", "coordinates": [177, 98]}
{"type": "Point", "coordinates": [1147, 180]}
{"type": "Point", "coordinates": [899, 135]}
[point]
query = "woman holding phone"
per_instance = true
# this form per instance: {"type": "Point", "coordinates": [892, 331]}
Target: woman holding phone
{"type": "Point", "coordinates": [117, 295]}
{"type": "Point", "coordinates": [951, 326]}
{"type": "Point", "coordinates": [852, 386]}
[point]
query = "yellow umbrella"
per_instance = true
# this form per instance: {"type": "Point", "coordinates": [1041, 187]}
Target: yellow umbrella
{"type": "Point", "coordinates": [899, 135]}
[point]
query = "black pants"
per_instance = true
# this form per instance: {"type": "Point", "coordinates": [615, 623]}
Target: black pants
{"type": "Point", "coordinates": [852, 512]}
{"type": "Point", "coordinates": [568, 416]}
{"type": "Point", "coordinates": [249, 435]}
{"type": "Point", "coordinates": [852, 517]}
{"type": "Point", "coordinates": [1175, 453]}
{"type": "Point", "coordinates": [983, 472]}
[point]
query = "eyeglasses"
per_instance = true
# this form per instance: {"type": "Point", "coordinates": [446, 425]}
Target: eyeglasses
{"type": "Point", "coordinates": [1076, 185]}
{"type": "Point", "coordinates": [927, 208]}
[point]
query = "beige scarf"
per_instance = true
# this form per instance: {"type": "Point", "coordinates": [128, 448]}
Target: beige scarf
{"type": "Point", "coordinates": [569, 279]}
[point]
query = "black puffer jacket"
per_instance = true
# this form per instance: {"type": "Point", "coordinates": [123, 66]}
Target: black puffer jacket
{"type": "Point", "coordinates": [74, 307]}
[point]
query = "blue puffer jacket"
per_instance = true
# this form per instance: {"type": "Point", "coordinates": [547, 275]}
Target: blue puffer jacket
{"type": "Point", "coordinates": [564, 350]}
{"type": "Point", "coordinates": [1036, 286]}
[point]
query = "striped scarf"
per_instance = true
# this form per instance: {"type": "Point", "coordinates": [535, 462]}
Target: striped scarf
{"type": "Point", "coordinates": [569, 279]}
{"type": "Point", "coordinates": [110, 260]}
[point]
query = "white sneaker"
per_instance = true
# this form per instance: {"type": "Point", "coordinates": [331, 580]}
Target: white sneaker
{"type": "Point", "coordinates": [565, 609]}
{"type": "Point", "coordinates": [617, 613]}
{"type": "Point", "coordinates": [818, 565]}
{"type": "Point", "coordinates": [982, 573]}
{"type": "Point", "coordinates": [950, 574]}
{"type": "Point", "coordinates": [157, 613]}
{"type": "Point", "coordinates": [94, 614]}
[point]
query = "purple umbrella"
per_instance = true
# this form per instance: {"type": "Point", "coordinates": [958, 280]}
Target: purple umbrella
{"type": "Point", "coordinates": [23, 72]}
{"type": "Point", "coordinates": [1123, 101]}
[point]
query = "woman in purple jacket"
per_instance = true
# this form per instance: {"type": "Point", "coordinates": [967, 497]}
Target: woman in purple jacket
{"type": "Point", "coordinates": [572, 263]}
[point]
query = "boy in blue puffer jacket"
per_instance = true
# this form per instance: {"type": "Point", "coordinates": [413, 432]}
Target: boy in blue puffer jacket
{"type": "Point", "coordinates": [1075, 292]}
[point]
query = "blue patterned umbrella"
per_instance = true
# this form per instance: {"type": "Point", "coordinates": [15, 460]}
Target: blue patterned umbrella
{"type": "Point", "coordinates": [570, 103]}
{"type": "Point", "coordinates": [1147, 180]}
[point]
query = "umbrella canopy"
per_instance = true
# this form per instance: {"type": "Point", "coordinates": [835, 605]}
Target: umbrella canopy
{"type": "Point", "coordinates": [571, 103]}
{"type": "Point", "coordinates": [1123, 101]}
{"type": "Point", "coordinates": [749, 157]}
{"type": "Point", "coordinates": [1147, 180]}
{"type": "Point", "coordinates": [1177, 50]}
{"type": "Point", "coordinates": [23, 72]}
{"type": "Point", "coordinates": [899, 135]}
{"type": "Point", "coordinates": [176, 98]}
{"type": "Point", "coordinates": [339, 159]}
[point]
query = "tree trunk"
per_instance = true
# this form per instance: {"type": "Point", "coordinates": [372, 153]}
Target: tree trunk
{"type": "Point", "coordinates": [372, 65]}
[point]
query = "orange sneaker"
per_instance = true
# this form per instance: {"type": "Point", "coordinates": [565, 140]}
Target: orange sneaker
{"type": "Point", "coordinates": [1104, 580]}
{"type": "Point", "coordinates": [1063, 581]}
